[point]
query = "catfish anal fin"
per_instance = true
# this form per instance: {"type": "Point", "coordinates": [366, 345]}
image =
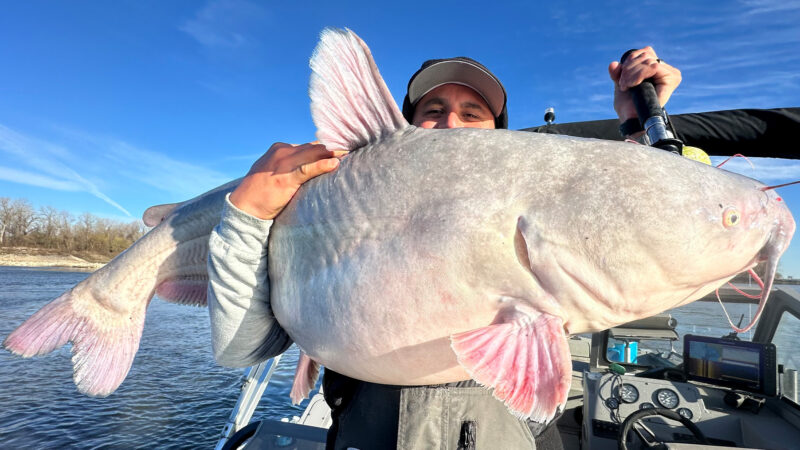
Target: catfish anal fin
{"type": "Point", "coordinates": [305, 378]}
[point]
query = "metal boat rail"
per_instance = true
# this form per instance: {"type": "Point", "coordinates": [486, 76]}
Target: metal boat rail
{"type": "Point", "coordinates": [256, 379]}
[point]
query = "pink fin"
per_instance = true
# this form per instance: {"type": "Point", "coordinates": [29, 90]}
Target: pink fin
{"type": "Point", "coordinates": [526, 361]}
{"type": "Point", "coordinates": [350, 103]}
{"type": "Point", "coordinates": [305, 378]}
{"type": "Point", "coordinates": [184, 291]}
{"type": "Point", "coordinates": [101, 355]}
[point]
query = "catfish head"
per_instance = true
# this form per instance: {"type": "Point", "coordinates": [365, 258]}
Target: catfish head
{"type": "Point", "coordinates": [672, 231]}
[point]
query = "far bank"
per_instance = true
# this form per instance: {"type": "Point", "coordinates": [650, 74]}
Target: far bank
{"type": "Point", "coordinates": [37, 257]}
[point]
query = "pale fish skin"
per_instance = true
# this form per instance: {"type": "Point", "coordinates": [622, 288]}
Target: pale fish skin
{"type": "Point", "coordinates": [438, 232]}
{"type": "Point", "coordinates": [432, 256]}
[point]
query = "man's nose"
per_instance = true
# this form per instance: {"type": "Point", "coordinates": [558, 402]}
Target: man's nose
{"type": "Point", "coordinates": [453, 121]}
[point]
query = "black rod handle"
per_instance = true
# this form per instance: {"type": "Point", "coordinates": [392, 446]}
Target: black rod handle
{"type": "Point", "coordinates": [651, 115]}
{"type": "Point", "coordinates": [644, 96]}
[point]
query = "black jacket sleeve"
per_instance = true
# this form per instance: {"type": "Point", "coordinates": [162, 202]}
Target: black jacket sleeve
{"type": "Point", "coordinates": [751, 132]}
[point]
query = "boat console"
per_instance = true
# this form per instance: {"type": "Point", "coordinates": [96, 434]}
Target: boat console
{"type": "Point", "coordinates": [720, 390]}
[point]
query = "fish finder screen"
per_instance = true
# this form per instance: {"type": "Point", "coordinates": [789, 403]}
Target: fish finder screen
{"type": "Point", "coordinates": [724, 362]}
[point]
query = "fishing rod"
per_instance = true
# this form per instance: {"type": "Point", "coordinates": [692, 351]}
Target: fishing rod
{"type": "Point", "coordinates": [652, 118]}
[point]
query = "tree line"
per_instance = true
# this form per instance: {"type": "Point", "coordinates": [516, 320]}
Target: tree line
{"type": "Point", "coordinates": [22, 225]}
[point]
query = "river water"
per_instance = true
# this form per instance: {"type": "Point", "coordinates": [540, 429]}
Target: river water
{"type": "Point", "coordinates": [175, 395]}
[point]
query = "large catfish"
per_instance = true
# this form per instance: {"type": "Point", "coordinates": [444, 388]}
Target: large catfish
{"type": "Point", "coordinates": [432, 256]}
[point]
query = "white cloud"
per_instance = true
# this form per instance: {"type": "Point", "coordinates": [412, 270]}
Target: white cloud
{"type": "Point", "coordinates": [43, 157]}
{"type": "Point", "coordinates": [775, 80]}
{"type": "Point", "coordinates": [161, 171]}
{"type": "Point", "coordinates": [753, 7]}
{"type": "Point", "coordinates": [103, 161]}
{"type": "Point", "coordinates": [224, 23]}
{"type": "Point", "coordinates": [605, 99]}
{"type": "Point", "coordinates": [726, 60]}
{"type": "Point", "coordinates": [179, 178]}
{"type": "Point", "coordinates": [738, 58]}
{"type": "Point", "coordinates": [36, 179]}
{"type": "Point", "coordinates": [766, 170]}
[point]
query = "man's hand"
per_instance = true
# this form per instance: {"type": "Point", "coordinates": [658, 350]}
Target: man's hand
{"type": "Point", "coordinates": [278, 174]}
{"type": "Point", "coordinates": [638, 66]}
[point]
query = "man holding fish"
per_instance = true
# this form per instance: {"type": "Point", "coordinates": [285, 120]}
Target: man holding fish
{"type": "Point", "coordinates": [445, 93]}
{"type": "Point", "coordinates": [429, 256]}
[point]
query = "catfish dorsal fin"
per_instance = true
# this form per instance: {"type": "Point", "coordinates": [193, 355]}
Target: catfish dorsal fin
{"type": "Point", "coordinates": [350, 103]}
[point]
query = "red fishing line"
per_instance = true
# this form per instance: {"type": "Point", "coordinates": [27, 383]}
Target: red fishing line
{"type": "Point", "coordinates": [738, 155]}
{"type": "Point", "coordinates": [779, 185]}
{"type": "Point", "coordinates": [760, 305]}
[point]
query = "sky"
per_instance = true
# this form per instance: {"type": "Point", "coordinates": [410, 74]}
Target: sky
{"type": "Point", "coordinates": [111, 107]}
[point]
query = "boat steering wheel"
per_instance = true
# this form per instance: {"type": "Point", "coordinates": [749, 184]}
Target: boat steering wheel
{"type": "Point", "coordinates": [627, 425]}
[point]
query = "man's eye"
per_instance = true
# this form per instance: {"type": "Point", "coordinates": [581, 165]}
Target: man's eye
{"type": "Point", "coordinates": [429, 112]}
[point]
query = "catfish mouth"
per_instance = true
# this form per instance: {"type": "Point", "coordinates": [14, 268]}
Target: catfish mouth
{"type": "Point", "coordinates": [777, 243]}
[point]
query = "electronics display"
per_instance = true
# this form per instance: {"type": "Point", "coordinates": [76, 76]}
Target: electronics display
{"type": "Point", "coordinates": [747, 366]}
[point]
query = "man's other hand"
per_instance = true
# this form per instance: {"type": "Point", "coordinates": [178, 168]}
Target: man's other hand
{"type": "Point", "coordinates": [640, 65]}
{"type": "Point", "coordinates": [278, 174]}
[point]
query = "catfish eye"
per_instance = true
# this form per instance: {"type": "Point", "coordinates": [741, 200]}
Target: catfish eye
{"type": "Point", "coordinates": [730, 217]}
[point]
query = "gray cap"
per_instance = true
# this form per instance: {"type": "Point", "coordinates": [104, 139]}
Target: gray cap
{"type": "Point", "coordinates": [459, 70]}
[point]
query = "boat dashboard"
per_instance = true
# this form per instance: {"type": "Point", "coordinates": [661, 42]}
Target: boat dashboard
{"type": "Point", "coordinates": [616, 397]}
{"type": "Point", "coordinates": [718, 393]}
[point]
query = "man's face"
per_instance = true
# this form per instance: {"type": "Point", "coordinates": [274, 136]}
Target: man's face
{"type": "Point", "coordinates": [453, 106]}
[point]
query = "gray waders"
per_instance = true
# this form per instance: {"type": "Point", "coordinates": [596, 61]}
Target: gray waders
{"type": "Point", "coordinates": [453, 416]}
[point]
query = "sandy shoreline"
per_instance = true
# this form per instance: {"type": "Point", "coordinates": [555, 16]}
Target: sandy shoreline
{"type": "Point", "coordinates": [25, 259]}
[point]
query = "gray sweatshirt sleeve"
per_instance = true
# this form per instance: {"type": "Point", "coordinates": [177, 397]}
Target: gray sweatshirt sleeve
{"type": "Point", "coordinates": [244, 331]}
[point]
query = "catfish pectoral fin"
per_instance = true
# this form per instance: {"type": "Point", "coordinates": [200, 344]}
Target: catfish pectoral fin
{"type": "Point", "coordinates": [525, 360]}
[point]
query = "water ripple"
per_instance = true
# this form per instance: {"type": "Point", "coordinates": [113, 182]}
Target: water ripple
{"type": "Point", "coordinates": [175, 395]}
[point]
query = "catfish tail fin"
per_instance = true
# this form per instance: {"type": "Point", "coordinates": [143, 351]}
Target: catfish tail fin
{"type": "Point", "coordinates": [102, 352]}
